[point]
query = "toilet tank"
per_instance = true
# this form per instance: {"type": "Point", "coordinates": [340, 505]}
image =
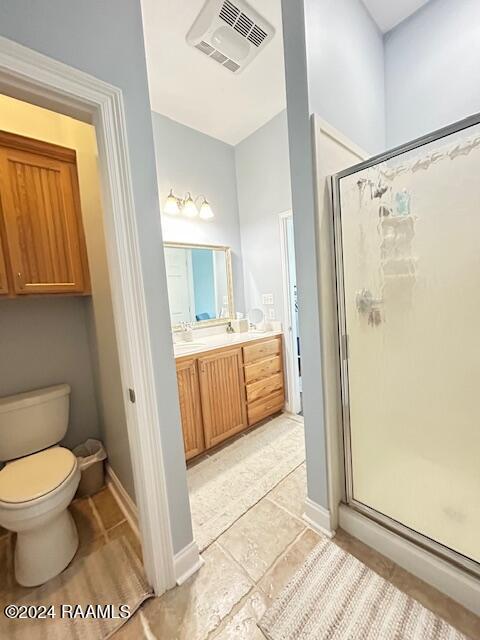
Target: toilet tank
{"type": "Point", "coordinates": [33, 421]}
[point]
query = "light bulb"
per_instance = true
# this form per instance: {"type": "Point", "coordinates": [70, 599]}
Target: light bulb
{"type": "Point", "coordinates": [206, 212]}
{"type": "Point", "coordinates": [171, 205]}
{"type": "Point", "coordinates": [189, 208]}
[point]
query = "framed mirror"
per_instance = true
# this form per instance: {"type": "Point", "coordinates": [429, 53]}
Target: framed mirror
{"type": "Point", "coordinates": [200, 286]}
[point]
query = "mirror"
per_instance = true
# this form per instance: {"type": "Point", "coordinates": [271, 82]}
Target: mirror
{"type": "Point", "coordinates": [256, 316]}
{"type": "Point", "coordinates": [199, 279]}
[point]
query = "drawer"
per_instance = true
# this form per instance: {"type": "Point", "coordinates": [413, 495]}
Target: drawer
{"type": "Point", "coordinates": [262, 368]}
{"type": "Point", "coordinates": [266, 407]}
{"type": "Point", "coordinates": [263, 388]}
{"type": "Point", "coordinates": [261, 350]}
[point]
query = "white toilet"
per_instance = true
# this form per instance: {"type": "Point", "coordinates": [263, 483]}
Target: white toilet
{"type": "Point", "coordinates": [38, 482]}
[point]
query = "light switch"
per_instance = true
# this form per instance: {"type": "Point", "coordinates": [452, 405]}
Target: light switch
{"type": "Point", "coordinates": [267, 298]}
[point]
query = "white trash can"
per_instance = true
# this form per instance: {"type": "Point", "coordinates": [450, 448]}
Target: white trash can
{"type": "Point", "coordinates": [90, 456]}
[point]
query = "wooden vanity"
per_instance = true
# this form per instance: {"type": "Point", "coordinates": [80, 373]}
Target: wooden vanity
{"type": "Point", "coordinates": [225, 390]}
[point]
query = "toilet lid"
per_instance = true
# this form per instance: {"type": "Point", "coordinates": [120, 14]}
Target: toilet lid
{"type": "Point", "coordinates": [36, 475]}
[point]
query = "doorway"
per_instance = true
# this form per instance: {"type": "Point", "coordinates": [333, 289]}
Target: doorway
{"type": "Point", "coordinates": [33, 77]}
{"type": "Point", "coordinates": [290, 306]}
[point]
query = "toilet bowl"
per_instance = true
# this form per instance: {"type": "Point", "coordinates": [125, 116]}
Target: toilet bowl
{"type": "Point", "coordinates": [38, 483]}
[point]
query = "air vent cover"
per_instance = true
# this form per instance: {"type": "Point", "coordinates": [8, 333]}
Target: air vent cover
{"type": "Point", "coordinates": [230, 32]}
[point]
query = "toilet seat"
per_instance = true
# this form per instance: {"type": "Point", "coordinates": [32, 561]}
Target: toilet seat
{"type": "Point", "coordinates": [35, 476]}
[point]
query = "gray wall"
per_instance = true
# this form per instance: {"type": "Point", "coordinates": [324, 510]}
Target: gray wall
{"type": "Point", "coordinates": [346, 70]}
{"type": "Point", "coordinates": [188, 160]}
{"type": "Point", "coordinates": [432, 69]}
{"type": "Point", "coordinates": [263, 185]}
{"type": "Point", "coordinates": [305, 227]}
{"type": "Point", "coordinates": [105, 39]}
{"type": "Point", "coordinates": [44, 341]}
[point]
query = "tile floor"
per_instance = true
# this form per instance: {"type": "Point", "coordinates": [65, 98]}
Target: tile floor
{"type": "Point", "coordinates": [225, 484]}
{"type": "Point", "coordinates": [98, 519]}
{"type": "Point", "coordinates": [247, 566]}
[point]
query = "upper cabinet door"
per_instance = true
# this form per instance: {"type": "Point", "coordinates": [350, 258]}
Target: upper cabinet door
{"type": "Point", "coordinates": [42, 219]}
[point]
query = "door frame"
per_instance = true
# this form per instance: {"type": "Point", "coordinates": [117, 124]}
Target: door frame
{"type": "Point", "coordinates": [293, 404]}
{"type": "Point", "coordinates": [406, 532]}
{"type": "Point", "coordinates": [33, 77]}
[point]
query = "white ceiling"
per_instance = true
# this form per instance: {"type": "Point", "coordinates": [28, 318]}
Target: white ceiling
{"type": "Point", "coordinates": [388, 13]}
{"type": "Point", "coordinates": [188, 87]}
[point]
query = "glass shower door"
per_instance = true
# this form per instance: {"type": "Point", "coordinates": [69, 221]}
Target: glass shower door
{"type": "Point", "coordinates": [407, 230]}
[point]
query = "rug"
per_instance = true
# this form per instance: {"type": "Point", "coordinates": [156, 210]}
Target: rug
{"type": "Point", "coordinates": [334, 596]}
{"type": "Point", "coordinates": [225, 485]}
{"type": "Point", "coordinates": [112, 575]}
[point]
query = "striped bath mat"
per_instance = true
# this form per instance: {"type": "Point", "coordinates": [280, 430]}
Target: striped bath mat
{"type": "Point", "coordinates": [107, 578]}
{"type": "Point", "coordinates": [334, 596]}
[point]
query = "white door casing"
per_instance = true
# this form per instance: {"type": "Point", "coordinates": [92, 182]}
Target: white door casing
{"type": "Point", "coordinates": [29, 75]}
{"type": "Point", "coordinates": [332, 153]}
{"type": "Point", "coordinates": [293, 404]}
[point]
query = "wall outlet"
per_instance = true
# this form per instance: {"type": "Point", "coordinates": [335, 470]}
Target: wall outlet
{"type": "Point", "coordinates": [267, 298]}
{"type": "Point", "coordinates": [271, 313]}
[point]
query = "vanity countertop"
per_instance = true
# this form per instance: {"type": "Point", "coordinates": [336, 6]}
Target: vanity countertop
{"type": "Point", "coordinates": [218, 341]}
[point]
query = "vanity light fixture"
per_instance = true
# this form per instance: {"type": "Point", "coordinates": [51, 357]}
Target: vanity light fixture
{"type": "Point", "coordinates": [206, 212]}
{"type": "Point", "coordinates": [187, 206]}
{"type": "Point", "coordinates": [171, 205]}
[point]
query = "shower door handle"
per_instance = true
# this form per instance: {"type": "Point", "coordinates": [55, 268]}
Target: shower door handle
{"type": "Point", "coordinates": [366, 302]}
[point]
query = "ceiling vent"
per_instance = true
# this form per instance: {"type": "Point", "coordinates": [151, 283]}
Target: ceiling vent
{"type": "Point", "coordinates": [230, 32]}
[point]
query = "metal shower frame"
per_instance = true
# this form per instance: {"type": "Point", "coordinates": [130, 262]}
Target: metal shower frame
{"type": "Point", "coordinates": [423, 541]}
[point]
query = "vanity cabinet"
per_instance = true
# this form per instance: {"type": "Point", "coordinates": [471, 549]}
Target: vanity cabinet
{"type": "Point", "coordinates": [223, 395]}
{"type": "Point", "coordinates": [264, 379]}
{"type": "Point", "coordinates": [41, 229]}
{"type": "Point", "coordinates": [190, 408]}
{"type": "Point", "coordinates": [225, 391]}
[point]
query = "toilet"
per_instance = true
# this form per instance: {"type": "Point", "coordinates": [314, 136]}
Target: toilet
{"type": "Point", "coordinates": [38, 482]}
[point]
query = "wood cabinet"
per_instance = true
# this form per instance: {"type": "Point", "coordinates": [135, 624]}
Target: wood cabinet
{"type": "Point", "coordinates": [43, 242]}
{"type": "Point", "coordinates": [264, 378]}
{"type": "Point", "coordinates": [223, 395]}
{"type": "Point", "coordinates": [3, 271]}
{"type": "Point", "coordinates": [226, 390]}
{"type": "Point", "coordinates": [190, 408]}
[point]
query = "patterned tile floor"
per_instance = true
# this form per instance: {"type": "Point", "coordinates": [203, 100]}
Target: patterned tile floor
{"type": "Point", "coordinates": [98, 519]}
{"type": "Point", "coordinates": [245, 568]}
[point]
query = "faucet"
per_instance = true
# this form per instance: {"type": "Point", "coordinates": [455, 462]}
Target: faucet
{"type": "Point", "coordinates": [229, 328]}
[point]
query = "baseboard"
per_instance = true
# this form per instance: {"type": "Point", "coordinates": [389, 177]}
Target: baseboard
{"type": "Point", "coordinates": [294, 416]}
{"type": "Point", "coordinates": [124, 501]}
{"type": "Point", "coordinates": [318, 518]}
{"type": "Point", "coordinates": [186, 562]}
{"type": "Point", "coordinates": [445, 577]}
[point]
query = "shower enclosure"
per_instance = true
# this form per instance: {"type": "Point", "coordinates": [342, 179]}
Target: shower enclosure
{"type": "Point", "coordinates": [407, 254]}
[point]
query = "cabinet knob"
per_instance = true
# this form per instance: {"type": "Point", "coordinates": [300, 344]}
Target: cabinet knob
{"type": "Point", "coordinates": [20, 278]}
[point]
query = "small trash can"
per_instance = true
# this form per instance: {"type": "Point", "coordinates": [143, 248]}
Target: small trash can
{"type": "Point", "coordinates": [90, 456]}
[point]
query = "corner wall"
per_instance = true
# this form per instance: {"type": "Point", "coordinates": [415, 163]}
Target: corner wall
{"type": "Point", "coordinates": [345, 65]}
{"type": "Point", "coordinates": [432, 69]}
{"type": "Point", "coordinates": [188, 160]}
{"type": "Point", "coordinates": [105, 39]}
{"type": "Point", "coordinates": [263, 185]}
{"type": "Point", "coordinates": [43, 342]}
